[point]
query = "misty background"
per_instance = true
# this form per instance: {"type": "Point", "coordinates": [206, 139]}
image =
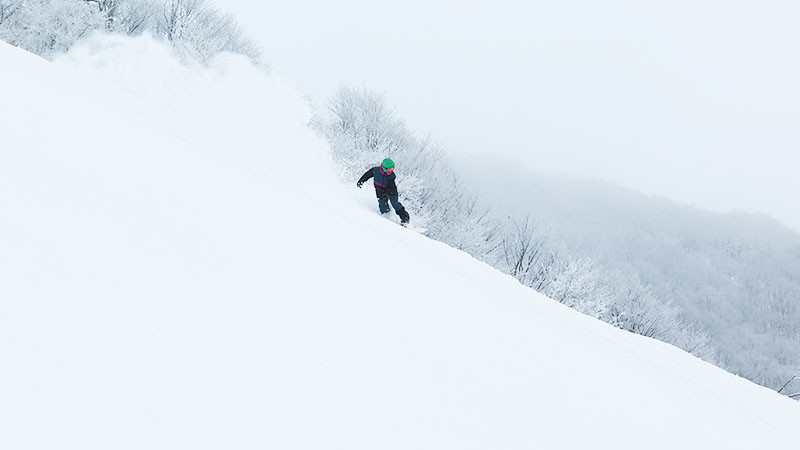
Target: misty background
{"type": "Point", "coordinates": [695, 101]}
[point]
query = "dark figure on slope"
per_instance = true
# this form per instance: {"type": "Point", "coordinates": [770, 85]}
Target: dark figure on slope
{"type": "Point", "coordinates": [385, 188]}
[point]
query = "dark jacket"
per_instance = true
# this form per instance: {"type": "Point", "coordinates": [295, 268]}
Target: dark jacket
{"type": "Point", "coordinates": [384, 182]}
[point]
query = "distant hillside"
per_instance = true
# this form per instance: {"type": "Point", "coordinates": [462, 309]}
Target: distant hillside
{"type": "Point", "coordinates": [735, 275]}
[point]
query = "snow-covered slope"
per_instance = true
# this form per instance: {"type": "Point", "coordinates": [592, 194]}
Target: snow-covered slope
{"type": "Point", "coordinates": [180, 270]}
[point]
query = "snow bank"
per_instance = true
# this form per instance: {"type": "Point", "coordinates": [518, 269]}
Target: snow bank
{"type": "Point", "coordinates": [179, 269]}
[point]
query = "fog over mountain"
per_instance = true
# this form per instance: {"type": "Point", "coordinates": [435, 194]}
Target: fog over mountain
{"type": "Point", "coordinates": [696, 101]}
{"type": "Point", "coordinates": [735, 275]}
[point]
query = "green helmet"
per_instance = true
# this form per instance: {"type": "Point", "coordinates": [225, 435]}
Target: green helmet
{"type": "Point", "coordinates": [387, 163]}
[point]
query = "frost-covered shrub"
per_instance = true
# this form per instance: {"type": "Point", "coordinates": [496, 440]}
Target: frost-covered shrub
{"type": "Point", "coordinates": [195, 29]}
{"type": "Point", "coordinates": [8, 8]}
{"type": "Point", "coordinates": [624, 301]}
{"type": "Point", "coordinates": [634, 307]}
{"type": "Point", "coordinates": [130, 17]}
{"type": "Point", "coordinates": [199, 30]}
{"type": "Point", "coordinates": [47, 27]}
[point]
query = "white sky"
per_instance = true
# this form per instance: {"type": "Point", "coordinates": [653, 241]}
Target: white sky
{"type": "Point", "coordinates": [698, 101]}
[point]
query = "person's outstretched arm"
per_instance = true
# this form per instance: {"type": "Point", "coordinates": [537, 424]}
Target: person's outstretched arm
{"type": "Point", "coordinates": [367, 175]}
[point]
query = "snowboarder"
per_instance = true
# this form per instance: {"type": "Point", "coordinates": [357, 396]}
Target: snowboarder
{"type": "Point", "coordinates": [385, 188]}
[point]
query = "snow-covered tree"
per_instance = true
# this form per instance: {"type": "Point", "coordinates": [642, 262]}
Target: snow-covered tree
{"type": "Point", "coordinates": [194, 28]}
{"type": "Point", "coordinates": [8, 8]}
{"type": "Point", "coordinates": [579, 283]}
{"type": "Point", "coordinates": [525, 253]}
{"type": "Point", "coordinates": [201, 31]}
{"type": "Point", "coordinates": [47, 27]}
{"type": "Point", "coordinates": [129, 17]}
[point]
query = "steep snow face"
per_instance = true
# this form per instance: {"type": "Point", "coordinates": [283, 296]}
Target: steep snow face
{"type": "Point", "coordinates": [180, 270]}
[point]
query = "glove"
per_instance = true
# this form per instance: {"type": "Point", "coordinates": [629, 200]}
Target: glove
{"type": "Point", "coordinates": [359, 184]}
